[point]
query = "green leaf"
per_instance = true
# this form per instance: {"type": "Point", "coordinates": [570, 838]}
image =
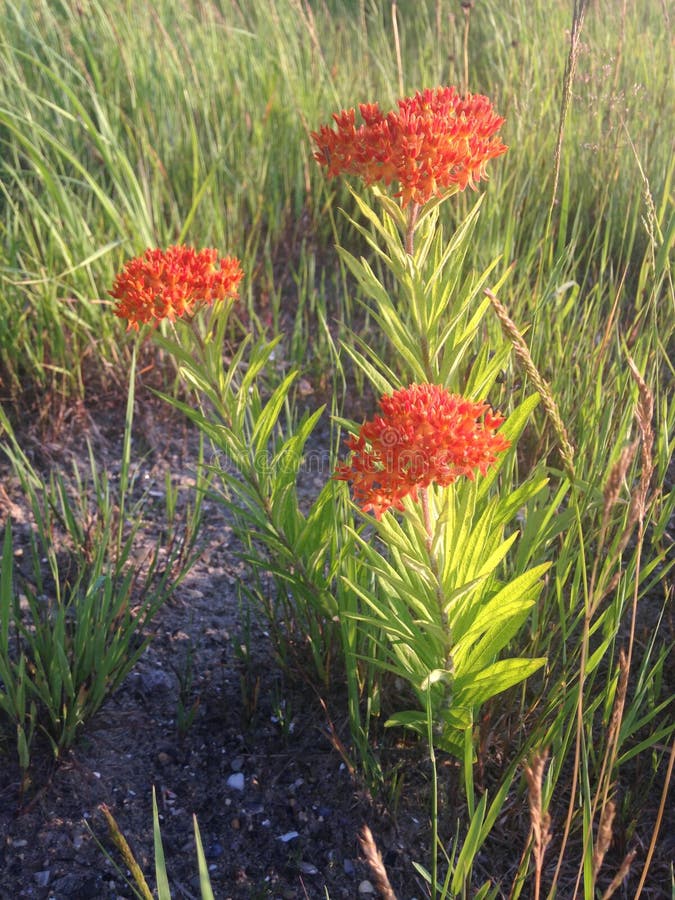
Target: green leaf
{"type": "Point", "coordinates": [365, 276]}
{"type": "Point", "coordinates": [469, 849]}
{"type": "Point", "coordinates": [511, 429]}
{"type": "Point", "coordinates": [408, 719]}
{"type": "Point", "coordinates": [391, 207]}
{"type": "Point", "coordinates": [269, 416]}
{"type": "Point", "coordinates": [393, 244]}
{"type": "Point", "coordinates": [382, 383]}
{"type": "Point", "coordinates": [6, 590]}
{"type": "Point", "coordinates": [475, 688]}
{"type": "Point", "coordinates": [163, 890]}
{"type": "Point", "coordinates": [434, 677]}
{"type": "Point", "coordinates": [204, 880]}
{"type": "Point", "coordinates": [425, 874]}
{"type": "Point", "coordinates": [515, 597]}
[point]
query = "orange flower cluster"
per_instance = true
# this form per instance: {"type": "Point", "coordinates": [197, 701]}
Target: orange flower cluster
{"type": "Point", "coordinates": [171, 283]}
{"type": "Point", "coordinates": [424, 434]}
{"type": "Point", "coordinates": [436, 140]}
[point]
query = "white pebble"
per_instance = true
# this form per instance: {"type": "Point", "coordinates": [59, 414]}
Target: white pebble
{"type": "Point", "coordinates": [236, 781]}
{"type": "Point", "coordinates": [289, 836]}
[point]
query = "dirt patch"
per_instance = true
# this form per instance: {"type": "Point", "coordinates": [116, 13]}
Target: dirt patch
{"type": "Point", "coordinates": [209, 720]}
{"type": "Point", "coordinates": [206, 717]}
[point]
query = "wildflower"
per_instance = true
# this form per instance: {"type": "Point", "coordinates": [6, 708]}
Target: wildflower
{"type": "Point", "coordinates": [425, 434]}
{"type": "Point", "coordinates": [173, 283]}
{"type": "Point", "coordinates": [437, 140]}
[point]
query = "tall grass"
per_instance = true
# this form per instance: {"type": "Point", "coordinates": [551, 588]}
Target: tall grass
{"type": "Point", "coordinates": [124, 127]}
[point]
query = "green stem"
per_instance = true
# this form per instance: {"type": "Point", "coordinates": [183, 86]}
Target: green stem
{"type": "Point", "coordinates": [126, 448]}
{"type": "Point", "coordinates": [413, 213]}
{"type": "Point", "coordinates": [426, 513]}
{"type": "Point", "coordinates": [413, 216]}
{"type": "Point", "coordinates": [434, 796]}
{"type": "Point", "coordinates": [433, 562]}
{"type": "Point", "coordinates": [426, 361]}
{"type": "Point", "coordinates": [200, 340]}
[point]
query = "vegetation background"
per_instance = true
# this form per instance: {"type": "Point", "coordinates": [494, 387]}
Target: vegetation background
{"type": "Point", "coordinates": [127, 125]}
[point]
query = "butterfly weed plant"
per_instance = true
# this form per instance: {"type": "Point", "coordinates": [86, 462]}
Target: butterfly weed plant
{"type": "Point", "coordinates": [414, 575]}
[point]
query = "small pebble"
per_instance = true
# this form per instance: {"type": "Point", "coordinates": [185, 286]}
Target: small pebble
{"type": "Point", "coordinates": [289, 836]}
{"type": "Point", "coordinates": [78, 840]}
{"type": "Point", "coordinates": [254, 809]}
{"type": "Point", "coordinates": [214, 850]}
{"type": "Point", "coordinates": [366, 889]}
{"type": "Point", "coordinates": [308, 868]}
{"type": "Point", "coordinates": [151, 681]}
{"type": "Point", "coordinates": [236, 781]}
{"type": "Point", "coordinates": [42, 878]}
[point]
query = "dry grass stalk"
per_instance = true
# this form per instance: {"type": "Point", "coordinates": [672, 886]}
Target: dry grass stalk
{"type": "Point", "coordinates": [125, 850]}
{"type": "Point", "coordinates": [643, 414]}
{"type": "Point", "coordinates": [539, 818]}
{"type": "Point", "coordinates": [611, 321]}
{"type": "Point", "coordinates": [639, 500]}
{"type": "Point", "coordinates": [374, 860]}
{"type": "Point", "coordinates": [467, 5]}
{"type": "Point", "coordinates": [624, 869]}
{"type": "Point", "coordinates": [522, 352]}
{"type": "Point", "coordinates": [640, 497]}
{"type": "Point", "coordinates": [397, 45]}
{"type": "Point", "coordinates": [9, 511]}
{"type": "Point", "coordinates": [618, 56]}
{"type": "Point", "coordinates": [568, 81]}
{"type": "Point", "coordinates": [306, 15]}
{"type": "Point", "coordinates": [636, 515]}
{"type": "Point", "coordinates": [604, 836]}
{"type": "Point", "coordinates": [657, 824]}
{"type": "Point", "coordinates": [651, 221]}
{"type": "Point", "coordinates": [619, 700]}
{"type": "Point", "coordinates": [612, 487]}
{"type": "Point", "coordinates": [336, 741]}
